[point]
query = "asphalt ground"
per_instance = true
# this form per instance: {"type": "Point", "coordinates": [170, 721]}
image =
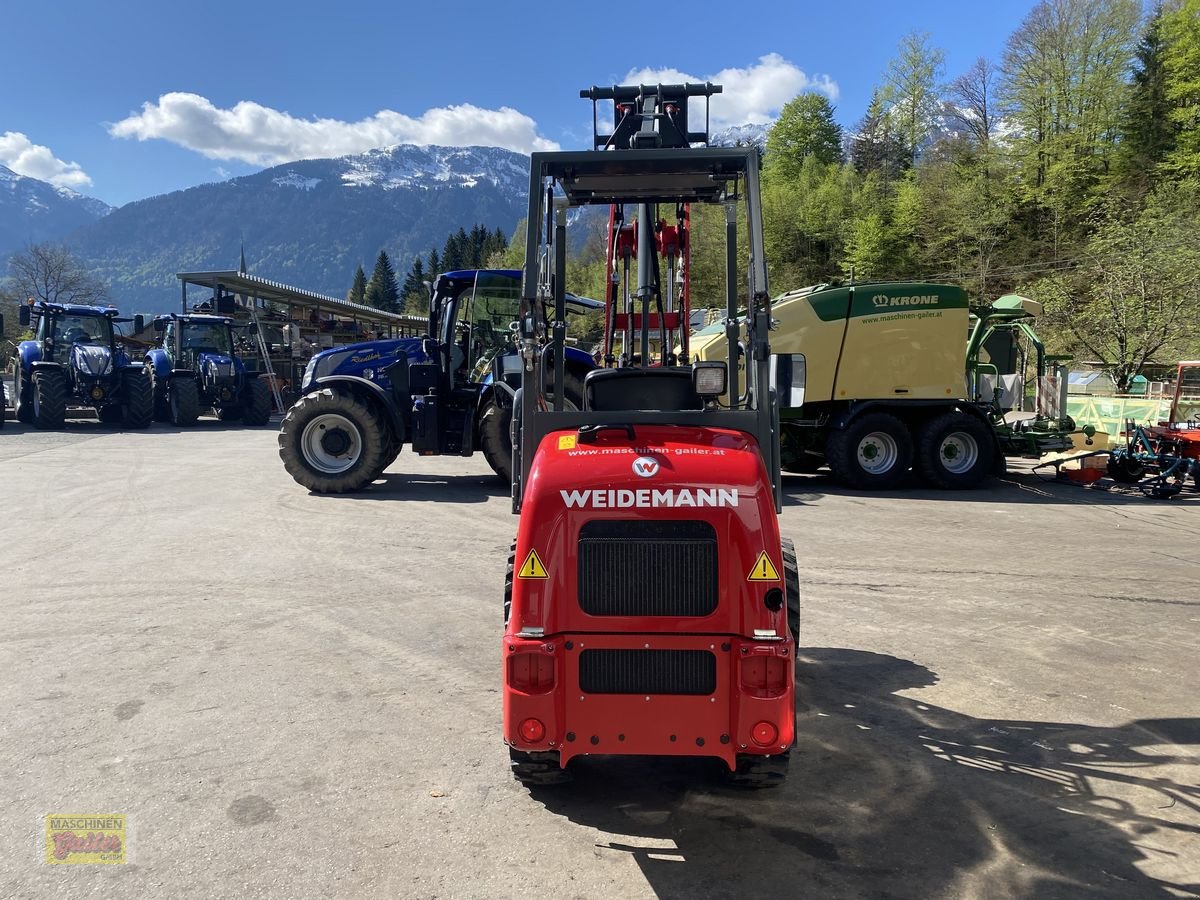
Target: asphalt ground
{"type": "Point", "coordinates": [290, 695]}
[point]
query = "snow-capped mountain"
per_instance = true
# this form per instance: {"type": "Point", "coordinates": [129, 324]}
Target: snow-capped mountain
{"type": "Point", "coordinates": [309, 222]}
{"type": "Point", "coordinates": [33, 210]}
{"type": "Point", "coordinates": [743, 135]}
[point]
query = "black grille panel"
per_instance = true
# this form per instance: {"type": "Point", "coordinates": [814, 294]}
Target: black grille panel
{"type": "Point", "coordinates": [647, 672]}
{"type": "Point", "coordinates": [641, 568]}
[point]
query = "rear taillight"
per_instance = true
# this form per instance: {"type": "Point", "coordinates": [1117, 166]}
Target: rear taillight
{"type": "Point", "coordinates": [531, 673]}
{"type": "Point", "coordinates": [532, 731]}
{"type": "Point", "coordinates": [765, 676]}
{"type": "Point", "coordinates": [764, 734]}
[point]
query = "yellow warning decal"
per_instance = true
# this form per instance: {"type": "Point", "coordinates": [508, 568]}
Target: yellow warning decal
{"type": "Point", "coordinates": [533, 568]}
{"type": "Point", "coordinates": [763, 569]}
{"type": "Point", "coordinates": [566, 442]}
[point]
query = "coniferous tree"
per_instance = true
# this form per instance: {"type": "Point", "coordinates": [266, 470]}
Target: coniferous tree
{"type": "Point", "coordinates": [382, 291]}
{"type": "Point", "coordinates": [358, 291]}
{"type": "Point", "coordinates": [434, 267]}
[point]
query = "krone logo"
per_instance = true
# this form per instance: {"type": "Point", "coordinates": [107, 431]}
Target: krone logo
{"type": "Point", "coordinates": [882, 300]}
{"type": "Point", "coordinates": [645, 466]}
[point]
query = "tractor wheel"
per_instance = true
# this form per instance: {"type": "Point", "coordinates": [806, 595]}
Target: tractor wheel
{"type": "Point", "coordinates": [49, 399]}
{"type": "Point", "coordinates": [955, 451]}
{"type": "Point", "coordinates": [22, 395]}
{"type": "Point", "coordinates": [536, 769]}
{"type": "Point", "coordinates": [137, 410]}
{"type": "Point", "coordinates": [110, 415]}
{"type": "Point", "coordinates": [495, 432]}
{"type": "Point", "coordinates": [791, 588]}
{"type": "Point", "coordinates": [3, 405]}
{"type": "Point", "coordinates": [183, 401]}
{"type": "Point", "coordinates": [757, 772]}
{"type": "Point", "coordinates": [1125, 469]}
{"type": "Point", "coordinates": [873, 452]}
{"type": "Point", "coordinates": [256, 403]}
{"type": "Point", "coordinates": [331, 443]}
{"type": "Point", "coordinates": [158, 388]}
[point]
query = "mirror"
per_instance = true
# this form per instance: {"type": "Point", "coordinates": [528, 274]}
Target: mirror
{"type": "Point", "coordinates": [1, 326]}
{"type": "Point", "coordinates": [787, 379]}
{"type": "Point", "coordinates": [24, 315]}
{"type": "Point", "coordinates": [139, 324]}
{"type": "Point", "coordinates": [160, 325]}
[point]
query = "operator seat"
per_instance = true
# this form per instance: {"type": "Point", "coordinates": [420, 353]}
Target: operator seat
{"type": "Point", "coordinates": [614, 390]}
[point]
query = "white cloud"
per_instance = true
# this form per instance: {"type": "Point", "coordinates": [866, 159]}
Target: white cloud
{"type": "Point", "coordinates": [24, 157]}
{"type": "Point", "coordinates": [261, 135]}
{"type": "Point", "coordinates": [750, 96]}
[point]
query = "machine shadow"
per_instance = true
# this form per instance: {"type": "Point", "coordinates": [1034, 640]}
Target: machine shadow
{"type": "Point", "coordinates": [1018, 487]}
{"type": "Point", "coordinates": [433, 487]}
{"type": "Point", "coordinates": [892, 797]}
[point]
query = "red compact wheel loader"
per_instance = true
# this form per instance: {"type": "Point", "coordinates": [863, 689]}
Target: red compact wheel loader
{"type": "Point", "coordinates": [651, 607]}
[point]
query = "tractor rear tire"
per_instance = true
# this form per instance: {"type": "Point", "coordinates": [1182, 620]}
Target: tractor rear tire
{"type": "Point", "coordinates": [508, 581]}
{"type": "Point", "coordinates": [137, 411]}
{"type": "Point", "coordinates": [158, 388]}
{"type": "Point", "coordinates": [1125, 470]}
{"type": "Point", "coordinates": [536, 769]}
{"type": "Point", "coordinates": [183, 401]}
{"type": "Point", "coordinates": [22, 395]}
{"type": "Point", "coordinates": [758, 772]}
{"type": "Point", "coordinates": [331, 443]}
{"type": "Point", "coordinates": [256, 403]}
{"type": "Point", "coordinates": [495, 426]}
{"type": "Point", "coordinates": [955, 452]}
{"type": "Point", "coordinates": [874, 452]}
{"type": "Point", "coordinates": [791, 588]}
{"type": "Point", "coordinates": [49, 399]}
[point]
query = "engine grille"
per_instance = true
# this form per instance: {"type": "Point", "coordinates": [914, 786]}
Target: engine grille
{"type": "Point", "coordinates": [646, 568]}
{"type": "Point", "coordinates": [647, 672]}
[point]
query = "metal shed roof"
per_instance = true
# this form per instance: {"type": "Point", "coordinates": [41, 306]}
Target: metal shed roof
{"type": "Point", "coordinates": [275, 292]}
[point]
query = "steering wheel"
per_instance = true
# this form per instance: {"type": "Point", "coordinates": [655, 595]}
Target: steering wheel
{"type": "Point", "coordinates": [75, 334]}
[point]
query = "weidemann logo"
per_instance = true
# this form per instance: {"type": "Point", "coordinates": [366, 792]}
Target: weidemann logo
{"type": "Point", "coordinates": [883, 300]}
{"type": "Point", "coordinates": [647, 498]}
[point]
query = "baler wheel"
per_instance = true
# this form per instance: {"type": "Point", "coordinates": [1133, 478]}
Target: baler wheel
{"type": "Point", "coordinates": [955, 451]}
{"type": "Point", "coordinates": [873, 452]}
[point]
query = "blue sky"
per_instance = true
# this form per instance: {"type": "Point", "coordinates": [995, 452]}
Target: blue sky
{"type": "Point", "coordinates": [143, 97]}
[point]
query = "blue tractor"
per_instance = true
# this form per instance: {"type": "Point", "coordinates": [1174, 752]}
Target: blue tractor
{"type": "Point", "coordinates": [74, 360]}
{"type": "Point", "coordinates": [449, 394]}
{"type": "Point", "coordinates": [196, 367]}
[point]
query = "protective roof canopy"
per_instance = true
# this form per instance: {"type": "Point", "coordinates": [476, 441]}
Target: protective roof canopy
{"type": "Point", "coordinates": [274, 292]}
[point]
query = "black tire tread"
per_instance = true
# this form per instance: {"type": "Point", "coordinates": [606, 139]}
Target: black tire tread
{"type": "Point", "coordinates": [841, 452]}
{"type": "Point", "coordinates": [158, 387]}
{"type": "Point", "coordinates": [50, 388]}
{"type": "Point", "coordinates": [928, 447]}
{"type": "Point", "coordinates": [256, 406]}
{"type": "Point", "coordinates": [22, 395]}
{"type": "Point", "coordinates": [791, 587]}
{"type": "Point", "coordinates": [183, 402]}
{"type": "Point", "coordinates": [137, 410]}
{"type": "Point", "coordinates": [374, 439]}
{"type": "Point", "coordinates": [760, 772]}
{"type": "Point", "coordinates": [536, 769]}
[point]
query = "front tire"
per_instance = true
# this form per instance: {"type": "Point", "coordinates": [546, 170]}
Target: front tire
{"type": "Point", "coordinates": [138, 408]}
{"type": "Point", "coordinates": [955, 452]}
{"type": "Point", "coordinates": [158, 390]}
{"type": "Point", "coordinates": [536, 769]}
{"type": "Point", "coordinates": [256, 404]}
{"type": "Point", "coordinates": [49, 399]}
{"type": "Point", "coordinates": [874, 452]}
{"type": "Point", "coordinates": [22, 395]}
{"type": "Point", "coordinates": [759, 772]}
{"type": "Point", "coordinates": [331, 443]}
{"type": "Point", "coordinates": [183, 401]}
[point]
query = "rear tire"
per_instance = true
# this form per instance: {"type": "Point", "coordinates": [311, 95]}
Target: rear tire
{"type": "Point", "coordinates": [256, 403]}
{"type": "Point", "coordinates": [955, 452]}
{"type": "Point", "coordinates": [49, 399]}
{"type": "Point", "coordinates": [183, 400]}
{"type": "Point", "coordinates": [331, 443]}
{"type": "Point", "coordinates": [138, 409]}
{"type": "Point", "coordinates": [495, 426]}
{"type": "Point", "coordinates": [759, 772]}
{"type": "Point", "coordinates": [791, 588]}
{"type": "Point", "coordinates": [536, 769]}
{"type": "Point", "coordinates": [874, 452]}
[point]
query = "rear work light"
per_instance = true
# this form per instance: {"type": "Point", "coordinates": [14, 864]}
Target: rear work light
{"type": "Point", "coordinates": [532, 731]}
{"type": "Point", "coordinates": [708, 378]}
